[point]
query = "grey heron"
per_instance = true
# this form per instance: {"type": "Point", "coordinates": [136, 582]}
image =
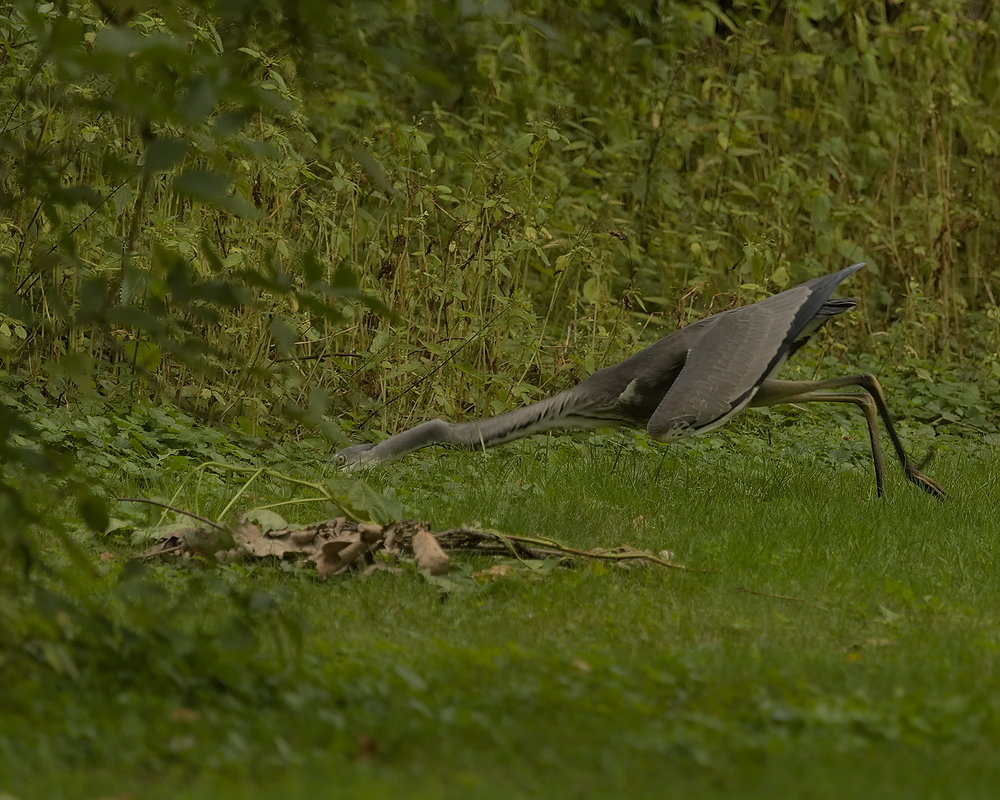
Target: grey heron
{"type": "Point", "coordinates": [689, 382]}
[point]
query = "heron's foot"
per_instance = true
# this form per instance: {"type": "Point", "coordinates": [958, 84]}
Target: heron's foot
{"type": "Point", "coordinates": [352, 458]}
{"type": "Point", "coordinates": [925, 483]}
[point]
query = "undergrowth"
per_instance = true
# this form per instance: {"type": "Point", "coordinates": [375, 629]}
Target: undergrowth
{"type": "Point", "coordinates": [531, 190]}
{"type": "Point", "coordinates": [835, 625]}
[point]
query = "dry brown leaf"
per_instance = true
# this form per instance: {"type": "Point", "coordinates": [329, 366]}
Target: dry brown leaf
{"type": "Point", "coordinates": [493, 573]}
{"type": "Point", "coordinates": [303, 537]}
{"type": "Point", "coordinates": [370, 534]}
{"type": "Point", "coordinates": [249, 536]}
{"type": "Point", "coordinates": [428, 553]}
{"type": "Point", "coordinates": [339, 555]}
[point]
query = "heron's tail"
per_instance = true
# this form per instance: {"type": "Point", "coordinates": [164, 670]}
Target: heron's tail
{"type": "Point", "coordinates": [834, 306]}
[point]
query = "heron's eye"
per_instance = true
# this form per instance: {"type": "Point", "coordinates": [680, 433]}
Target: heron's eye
{"type": "Point", "coordinates": [340, 460]}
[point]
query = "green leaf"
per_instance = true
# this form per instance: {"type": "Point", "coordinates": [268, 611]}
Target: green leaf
{"type": "Point", "coordinates": [311, 267]}
{"type": "Point", "coordinates": [210, 187]}
{"type": "Point", "coordinates": [381, 508]}
{"type": "Point", "coordinates": [459, 580]}
{"type": "Point", "coordinates": [360, 501]}
{"type": "Point", "coordinates": [199, 101]}
{"type": "Point", "coordinates": [267, 520]}
{"type": "Point", "coordinates": [117, 40]}
{"type": "Point", "coordinates": [94, 512]}
{"type": "Point", "coordinates": [162, 154]}
{"type": "Point", "coordinates": [820, 205]}
{"type": "Point", "coordinates": [283, 334]}
{"type": "Point", "coordinates": [522, 142]}
{"type": "Point", "coordinates": [144, 354]}
{"type": "Point", "coordinates": [344, 277]}
{"type": "Point", "coordinates": [375, 171]}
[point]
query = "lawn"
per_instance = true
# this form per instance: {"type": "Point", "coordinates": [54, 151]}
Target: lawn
{"type": "Point", "coordinates": [841, 645]}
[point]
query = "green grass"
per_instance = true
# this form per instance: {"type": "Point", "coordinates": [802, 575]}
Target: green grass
{"type": "Point", "coordinates": [880, 679]}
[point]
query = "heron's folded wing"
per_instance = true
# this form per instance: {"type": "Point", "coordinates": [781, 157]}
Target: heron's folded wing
{"type": "Point", "coordinates": [727, 364]}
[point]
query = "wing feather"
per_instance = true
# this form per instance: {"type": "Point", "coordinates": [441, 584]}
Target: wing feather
{"type": "Point", "coordinates": [727, 363]}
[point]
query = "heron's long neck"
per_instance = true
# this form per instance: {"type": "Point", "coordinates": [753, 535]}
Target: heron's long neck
{"type": "Point", "coordinates": [564, 410]}
{"type": "Point", "coordinates": [553, 412]}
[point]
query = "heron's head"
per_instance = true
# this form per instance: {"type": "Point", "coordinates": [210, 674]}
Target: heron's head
{"type": "Point", "coordinates": [354, 457]}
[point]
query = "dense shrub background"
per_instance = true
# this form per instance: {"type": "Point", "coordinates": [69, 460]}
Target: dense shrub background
{"type": "Point", "coordinates": [528, 187]}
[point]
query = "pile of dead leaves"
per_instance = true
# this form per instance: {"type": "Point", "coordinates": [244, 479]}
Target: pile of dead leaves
{"type": "Point", "coordinates": [333, 546]}
{"type": "Point", "coordinates": [339, 544]}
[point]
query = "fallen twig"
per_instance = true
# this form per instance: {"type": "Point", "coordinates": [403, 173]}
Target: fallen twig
{"type": "Point", "coordinates": [176, 510]}
{"type": "Point", "coordinates": [745, 590]}
{"type": "Point", "coordinates": [545, 545]}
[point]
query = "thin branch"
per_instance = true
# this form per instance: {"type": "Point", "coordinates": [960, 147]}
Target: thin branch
{"type": "Point", "coordinates": [34, 276]}
{"type": "Point", "coordinates": [556, 547]}
{"type": "Point", "coordinates": [745, 590]}
{"type": "Point", "coordinates": [148, 555]}
{"type": "Point", "coordinates": [318, 356]}
{"type": "Point", "coordinates": [176, 510]}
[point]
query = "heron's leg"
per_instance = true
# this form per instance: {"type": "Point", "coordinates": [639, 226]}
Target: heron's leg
{"type": "Point", "coordinates": [864, 401]}
{"type": "Point", "coordinates": [773, 392]}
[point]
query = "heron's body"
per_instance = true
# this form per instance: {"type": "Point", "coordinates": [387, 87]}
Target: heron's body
{"type": "Point", "coordinates": [689, 382]}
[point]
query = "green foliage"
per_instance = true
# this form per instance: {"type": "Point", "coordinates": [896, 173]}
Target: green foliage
{"type": "Point", "coordinates": [525, 187]}
{"type": "Point", "coordinates": [360, 501]}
